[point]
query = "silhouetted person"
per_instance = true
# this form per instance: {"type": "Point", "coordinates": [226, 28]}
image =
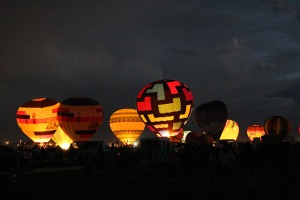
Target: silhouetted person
{"type": "Point", "coordinates": [159, 160]}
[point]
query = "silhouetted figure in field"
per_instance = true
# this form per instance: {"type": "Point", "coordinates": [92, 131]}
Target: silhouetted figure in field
{"type": "Point", "coordinates": [159, 161]}
{"type": "Point", "coordinates": [225, 159]}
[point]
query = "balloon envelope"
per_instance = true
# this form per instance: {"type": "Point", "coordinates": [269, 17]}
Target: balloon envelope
{"type": "Point", "coordinates": [38, 118]}
{"type": "Point", "coordinates": [230, 131]}
{"type": "Point", "coordinates": [80, 117]}
{"type": "Point", "coordinates": [211, 118]}
{"type": "Point", "coordinates": [61, 138]}
{"type": "Point", "coordinates": [165, 106]}
{"type": "Point", "coordinates": [126, 125]}
{"type": "Point", "coordinates": [277, 125]}
{"type": "Point", "coordinates": [255, 131]}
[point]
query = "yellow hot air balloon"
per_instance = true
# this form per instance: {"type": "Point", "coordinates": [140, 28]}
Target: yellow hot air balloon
{"type": "Point", "coordinates": [230, 131]}
{"type": "Point", "coordinates": [38, 119]}
{"type": "Point", "coordinates": [126, 125]}
{"type": "Point", "coordinates": [62, 139]}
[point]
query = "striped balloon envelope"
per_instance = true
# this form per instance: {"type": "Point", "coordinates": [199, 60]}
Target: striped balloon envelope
{"type": "Point", "coordinates": [165, 106]}
{"type": "Point", "coordinates": [80, 117]}
{"type": "Point", "coordinates": [38, 119]}
{"type": "Point", "coordinates": [126, 125]}
{"type": "Point", "coordinates": [277, 125]}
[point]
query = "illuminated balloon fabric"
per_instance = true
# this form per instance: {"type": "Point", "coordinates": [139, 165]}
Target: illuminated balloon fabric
{"type": "Point", "coordinates": [230, 131]}
{"type": "Point", "coordinates": [61, 139]}
{"type": "Point", "coordinates": [198, 138]}
{"type": "Point", "coordinates": [211, 117]}
{"type": "Point", "coordinates": [277, 125]}
{"type": "Point", "coordinates": [80, 117]}
{"type": "Point", "coordinates": [126, 125]}
{"type": "Point", "coordinates": [255, 131]}
{"type": "Point", "coordinates": [165, 106]}
{"type": "Point", "coordinates": [38, 118]}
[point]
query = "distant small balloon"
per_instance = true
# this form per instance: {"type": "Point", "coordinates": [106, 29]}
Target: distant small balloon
{"type": "Point", "coordinates": [277, 125]}
{"type": "Point", "coordinates": [255, 131]}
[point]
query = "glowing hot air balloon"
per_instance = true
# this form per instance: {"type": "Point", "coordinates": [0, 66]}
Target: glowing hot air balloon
{"type": "Point", "coordinates": [38, 119]}
{"type": "Point", "coordinates": [61, 139]}
{"type": "Point", "coordinates": [211, 118]}
{"type": "Point", "coordinates": [165, 106]}
{"type": "Point", "coordinates": [255, 131]}
{"type": "Point", "coordinates": [126, 125]}
{"type": "Point", "coordinates": [277, 125]}
{"type": "Point", "coordinates": [230, 131]}
{"type": "Point", "coordinates": [80, 117]}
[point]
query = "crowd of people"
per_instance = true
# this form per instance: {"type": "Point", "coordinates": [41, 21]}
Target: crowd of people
{"type": "Point", "coordinates": [213, 166]}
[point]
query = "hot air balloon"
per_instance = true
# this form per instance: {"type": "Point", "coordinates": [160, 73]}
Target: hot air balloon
{"type": "Point", "coordinates": [38, 119]}
{"type": "Point", "coordinates": [165, 106]}
{"type": "Point", "coordinates": [277, 125]}
{"type": "Point", "coordinates": [230, 131]}
{"type": "Point", "coordinates": [126, 125]}
{"type": "Point", "coordinates": [211, 118]}
{"type": "Point", "coordinates": [80, 117]}
{"type": "Point", "coordinates": [255, 131]}
{"type": "Point", "coordinates": [61, 139]}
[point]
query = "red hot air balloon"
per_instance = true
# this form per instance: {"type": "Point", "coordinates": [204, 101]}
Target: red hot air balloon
{"type": "Point", "coordinates": [165, 106]}
{"type": "Point", "coordinates": [80, 117]}
{"type": "Point", "coordinates": [277, 125]}
{"type": "Point", "coordinates": [211, 118]}
{"type": "Point", "coordinates": [255, 131]}
{"type": "Point", "coordinates": [38, 118]}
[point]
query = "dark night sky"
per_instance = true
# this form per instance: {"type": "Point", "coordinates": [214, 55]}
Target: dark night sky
{"type": "Point", "coordinates": [244, 53]}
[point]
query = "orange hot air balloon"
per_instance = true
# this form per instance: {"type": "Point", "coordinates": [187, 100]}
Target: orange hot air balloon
{"type": "Point", "coordinates": [255, 131]}
{"type": "Point", "coordinates": [277, 125]}
{"type": "Point", "coordinates": [230, 131]}
{"type": "Point", "coordinates": [61, 139]}
{"type": "Point", "coordinates": [165, 106]}
{"type": "Point", "coordinates": [38, 118]}
{"type": "Point", "coordinates": [126, 125]}
{"type": "Point", "coordinates": [211, 118]}
{"type": "Point", "coordinates": [80, 117]}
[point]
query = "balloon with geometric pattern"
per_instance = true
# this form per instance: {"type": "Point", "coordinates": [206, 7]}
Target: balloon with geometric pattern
{"type": "Point", "coordinates": [165, 106]}
{"type": "Point", "coordinates": [38, 119]}
{"type": "Point", "coordinates": [80, 117]}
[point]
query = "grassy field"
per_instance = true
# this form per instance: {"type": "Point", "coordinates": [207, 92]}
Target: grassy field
{"type": "Point", "coordinates": [75, 182]}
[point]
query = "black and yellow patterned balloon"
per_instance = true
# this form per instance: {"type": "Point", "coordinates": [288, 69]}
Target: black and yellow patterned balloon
{"type": "Point", "coordinates": [165, 106]}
